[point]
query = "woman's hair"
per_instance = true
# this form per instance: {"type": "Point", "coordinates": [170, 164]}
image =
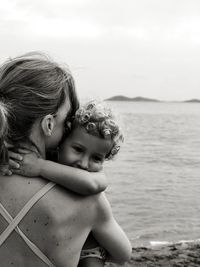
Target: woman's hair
{"type": "Point", "coordinates": [33, 86]}
{"type": "Point", "coordinates": [3, 133]}
{"type": "Point", "coordinates": [98, 120]}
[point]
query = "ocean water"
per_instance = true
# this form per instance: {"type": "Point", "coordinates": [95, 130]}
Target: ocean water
{"type": "Point", "coordinates": [154, 181]}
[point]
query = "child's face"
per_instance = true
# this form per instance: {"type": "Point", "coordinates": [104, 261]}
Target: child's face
{"type": "Point", "coordinates": [84, 151]}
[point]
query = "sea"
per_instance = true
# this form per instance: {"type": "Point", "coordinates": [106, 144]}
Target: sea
{"type": "Point", "coordinates": [154, 181]}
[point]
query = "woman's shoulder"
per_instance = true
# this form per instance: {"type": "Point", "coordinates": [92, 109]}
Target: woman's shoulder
{"type": "Point", "coordinates": [17, 184]}
{"type": "Point", "coordinates": [101, 206]}
{"type": "Point", "coordinates": [18, 188]}
{"type": "Point", "coordinates": [53, 202]}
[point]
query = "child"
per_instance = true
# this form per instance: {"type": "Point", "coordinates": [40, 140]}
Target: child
{"type": "Point", "coordinates": [91, 138]}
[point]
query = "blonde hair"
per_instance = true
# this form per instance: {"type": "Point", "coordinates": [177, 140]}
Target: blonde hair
{"type": "Point", "coordinates": [98, 120]}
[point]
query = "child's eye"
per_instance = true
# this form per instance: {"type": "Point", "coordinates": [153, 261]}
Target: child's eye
{"type": "Point", "coordinates": [97, 159]}
{"type": "Point", "coordinates": [77, 149]}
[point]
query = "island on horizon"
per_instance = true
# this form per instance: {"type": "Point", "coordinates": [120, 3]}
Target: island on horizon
{"type": "Point", "coordinates": [145, 99]}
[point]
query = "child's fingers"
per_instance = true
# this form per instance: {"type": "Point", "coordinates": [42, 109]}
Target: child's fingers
{"type": "Point", "coordinates": [16, 171]}
{"type": "Point", "coordinates": [6, 172]}
{"type": "Point", "coordinates": [9, 145]}
{"type": "Point", "coordinates": [19, 172]}
{"type": "Point", "coordinates": [13, 164]}
{"type": "Point", "coordinates": [15, 155]}
{"type": "Point", "coordinates": [23, 151]}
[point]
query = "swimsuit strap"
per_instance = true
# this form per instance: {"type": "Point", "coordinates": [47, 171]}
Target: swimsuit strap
{"type": "Point", "coordinates": [30, 244]}
{"type": "Point", "coordinates": [14, 222]}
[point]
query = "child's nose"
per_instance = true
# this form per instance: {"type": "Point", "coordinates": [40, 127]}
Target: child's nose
{"type": "Point", "coordinates": [83, 163]}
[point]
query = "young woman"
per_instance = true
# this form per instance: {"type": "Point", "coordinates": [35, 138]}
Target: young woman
{"type": "Point", "coordinates": [43, 224]}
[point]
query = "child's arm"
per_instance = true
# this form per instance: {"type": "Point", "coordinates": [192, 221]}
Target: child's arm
{"type": "Point", "coordinates": [109, 234]}
{"type": "Point", "coordinates": [77, 180]}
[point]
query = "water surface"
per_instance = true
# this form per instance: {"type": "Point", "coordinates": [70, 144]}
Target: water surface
{"type": "Point", "coordinates": [155, 179]}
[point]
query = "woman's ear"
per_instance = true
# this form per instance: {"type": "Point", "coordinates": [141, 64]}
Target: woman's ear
{"type": "Point", "coordinates": [48, 124]}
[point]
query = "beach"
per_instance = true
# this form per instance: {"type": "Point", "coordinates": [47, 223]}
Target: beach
{"type": "Point", "coordinates": [186, 254]}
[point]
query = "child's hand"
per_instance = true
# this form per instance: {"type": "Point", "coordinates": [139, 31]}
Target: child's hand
{"type": "Point", "coordinates": [29, 165]}
{"type": "Point", "coordinates": [5, 171]}
{"type": "Point", "coordinates": [14, 159]}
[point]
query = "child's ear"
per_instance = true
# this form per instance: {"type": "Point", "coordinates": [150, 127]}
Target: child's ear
{"type": "Point", "coordinates": [48, 124]}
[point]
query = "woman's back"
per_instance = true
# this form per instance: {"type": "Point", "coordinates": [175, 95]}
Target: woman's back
{"type": "Point", "coordinates": [60, 219]}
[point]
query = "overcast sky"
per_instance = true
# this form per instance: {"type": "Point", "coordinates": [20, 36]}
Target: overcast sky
{"type": "Point", "coordinates": [134, 48]}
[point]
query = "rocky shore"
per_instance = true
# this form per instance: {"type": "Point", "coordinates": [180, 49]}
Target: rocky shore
{"type": "Point", "coordinates": [176, 255]}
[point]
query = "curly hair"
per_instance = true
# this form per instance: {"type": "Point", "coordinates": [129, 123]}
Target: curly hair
{"type": "Point", "coordinates": [98, 120]}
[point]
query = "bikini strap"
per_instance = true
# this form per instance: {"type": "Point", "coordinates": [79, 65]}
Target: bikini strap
{"type": "Point", "coordinates": [30, 244]}
{"type": "Point", "coordinates": [14, 222]}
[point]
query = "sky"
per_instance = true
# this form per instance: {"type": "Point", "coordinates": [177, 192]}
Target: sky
{"type": "Point", "coordinates": [148, 48]}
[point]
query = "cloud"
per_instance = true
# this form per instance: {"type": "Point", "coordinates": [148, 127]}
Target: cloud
{"type": "Point", "coordinates": [37, 20]}
{"type": "Point", "coordinates": [162, 21]}
{"type": "Point", "coordinates": [146, 44]}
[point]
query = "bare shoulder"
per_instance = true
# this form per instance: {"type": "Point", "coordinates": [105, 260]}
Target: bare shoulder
{"type": "Point", "coordinates": [18, 188]}
{"type": "Point", "coordinates": [63, 205]}
{"type": "Point", "coordinates": [53, 203]}
{"type": "Point", "coordinates": [102, 207]}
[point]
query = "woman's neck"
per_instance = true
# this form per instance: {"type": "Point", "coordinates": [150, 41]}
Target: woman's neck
{"type": "Point", "coordinates": [30, 145]}
{"type": "Point", "coordinates": [36, 142]}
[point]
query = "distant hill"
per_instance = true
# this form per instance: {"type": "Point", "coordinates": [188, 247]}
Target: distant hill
{"type": "Point", "coordinates": [145, 99]}
{"type": "Point", "coordinates": [119, 98]}
{"type": "Point", "coordinates": [136, 99]}
{"type": "Point", "coordinates": [193, 101]}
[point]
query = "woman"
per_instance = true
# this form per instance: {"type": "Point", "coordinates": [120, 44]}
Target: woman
{"type": "Point", "coordinates": [50, 224]}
